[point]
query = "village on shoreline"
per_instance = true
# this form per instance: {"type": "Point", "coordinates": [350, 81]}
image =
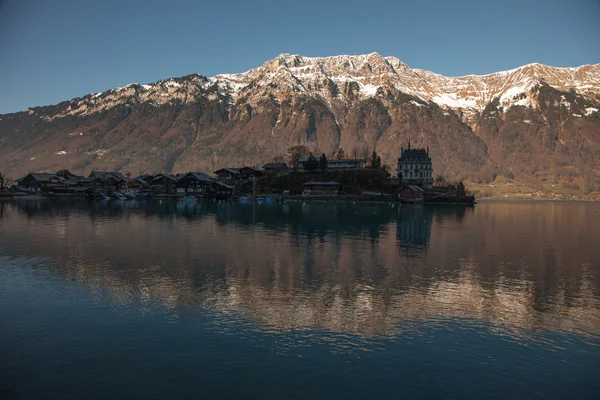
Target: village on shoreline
{"type": "Point", "coordinates": [303, 177]}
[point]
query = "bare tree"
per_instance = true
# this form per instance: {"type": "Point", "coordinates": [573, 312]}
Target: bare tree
{"type": "Point", "coordinates": [5, 183]}
{"type": "Point", "coordinates": [295, 153]}
{"type": "Point", "coordinates": [278, 159]}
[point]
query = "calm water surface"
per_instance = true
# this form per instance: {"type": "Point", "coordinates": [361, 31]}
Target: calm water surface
{"type": "Point", "coordinates": [122, 299]}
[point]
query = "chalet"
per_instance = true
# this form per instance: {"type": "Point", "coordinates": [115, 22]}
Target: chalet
{"type": "Point", "coordinates": [250, 173]}
{"type": "Point", "coordinates": [411, 194]}
{"type": "Point", "coordinates": [273, 169]}
{"type": "Point", "coordinates": [108, 184]}
{"type": "Point", "coordinates": [414, 167]}
{"type": "Point", "coordinates": [195, 183]}
{"type": "Point", "coordinates": [68, 175]}
{"type": "Point", "coordinates": [34, 182]}
{"type": "Point", "coordinates": [146, 178]}
{"type": "Point", "coordinates": [228, 174]}
{"type": "Point", "coordinates": [330, 188]}
{"type": "Point", "coordinates": [133, 185]}
{"type": "Point", "coordinates": [103, 175]}
{"type": "Point", "coordinates": [221, 190]}
{"type": "Point", "coordinates": [166, 183]}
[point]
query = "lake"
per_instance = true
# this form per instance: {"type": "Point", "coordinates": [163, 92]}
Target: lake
{"type": "Point", "coordinates": [159, 299]}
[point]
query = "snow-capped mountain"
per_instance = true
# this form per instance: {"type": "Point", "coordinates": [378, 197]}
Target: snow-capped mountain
{"type": "Point", "coordinates": [348, 78]}
{"type": "Point", "coordinates": [365, 101]}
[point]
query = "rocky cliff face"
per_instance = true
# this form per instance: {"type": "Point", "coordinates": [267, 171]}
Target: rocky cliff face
{"type": "Point", "coordinates": [535, 124]}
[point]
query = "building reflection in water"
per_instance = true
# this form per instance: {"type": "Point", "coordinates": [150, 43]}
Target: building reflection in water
{"type": "Point", "coordinates": [367, 270]}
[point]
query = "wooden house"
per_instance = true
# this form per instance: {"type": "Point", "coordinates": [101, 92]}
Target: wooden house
{"type": "Point", "coordinates": [195, 183]}
{"type": "Point", "coordinates": [411, 194]}
{"type": "Point", "coordinates": [165, 183]}
{"type": "Point", "coordinates": [250, 173]}
{"type": "Point", "coordinates": [272, 169]}
{"type": "Point", "coordinates": [35, 182]}
{"type": "Point", "coordinates": [228, 174]}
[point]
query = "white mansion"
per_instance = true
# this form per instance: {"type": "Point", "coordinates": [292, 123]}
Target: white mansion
{"type": "Point", "coordinates": [414, 166]}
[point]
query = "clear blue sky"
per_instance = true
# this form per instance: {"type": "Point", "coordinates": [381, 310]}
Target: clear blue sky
{"type": "Point", "coordinates": [56, 50]}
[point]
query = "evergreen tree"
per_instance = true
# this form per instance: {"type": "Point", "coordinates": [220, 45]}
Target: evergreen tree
{"type": "Point", "coordinates": [311, 164]}
{"type": "Point", "coordinates": [378, 165]}
{"type": "Point", "coordinates": [323, 162]}
{"type": "Point", "coordinates": [460, 189]}
{"type": "Point", "coordinates": [373, 163]}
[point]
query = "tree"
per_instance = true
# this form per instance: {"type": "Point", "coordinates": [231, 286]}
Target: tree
{"type": "Point", "coordinates": [5, 183]}
{"type": "Point", "coordinates": [440, 180]}
{"type": "Point", "coordinates": [386, 168]}
{"type": "Point", "coordinates": [355, 153]}
{"type": "Point", "coordinates": [295, 153]}
{"type": "Point", "coordinates": [278, 159]}
{"type": "Point", "coordinates": [323, 162]}
{"type": "Point", "coordinates": [375, 161]}
{"type": "Point", "coordinates": [340, 154]}
{"type": "Point", "coordinates": [312, 164]}
{"type": "Point", "coordinates": [460, 189]}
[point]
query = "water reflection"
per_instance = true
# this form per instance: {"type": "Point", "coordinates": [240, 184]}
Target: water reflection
{"type": "Point", "coordinates": [367, 270]}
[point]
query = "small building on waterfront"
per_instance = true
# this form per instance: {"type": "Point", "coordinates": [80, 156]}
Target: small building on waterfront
{"type": "Point", "coordinates": [195, 183]}
{"type": "Point", "coordinates": [165, 183]}
{"type": "Point", "coordinates": [312, 188]}
{"type": "Point", "coordinates": [411, 194]}
{"type": "Point", "coordinates": [221, 190]}
{"type": "Point", "coordinates": [414, 167]}
{"type": "Point", "coordinates": [37, 182]}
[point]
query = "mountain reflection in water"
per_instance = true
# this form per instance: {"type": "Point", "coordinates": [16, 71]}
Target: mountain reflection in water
{"type": "Point", "coordinates": [365, 270]}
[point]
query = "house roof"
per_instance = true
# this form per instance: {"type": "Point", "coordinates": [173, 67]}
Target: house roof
{"type": "Point", "coordinates": [200, 176]}
{"type": "Point", "coordinates": [413, 188]}
{"type": "Point", "coordinates": [168, 176]}
{"type": "Point", "coordinates": [230, 170]}
{"type": "Point", "coordinates": [42, 177]}
{"type": "Point", "coordinates": [251, 168]}
{"type": "Point", "coordinates": [223, 185]}
{"type": "Point", "coordinates": [415, 154]}
{"type": "Point", "coordinates": [274, 165]}
{"type": "Point", "coordinates": [105, 174]}
{"type": "Point", "coordinates": [314, 183]}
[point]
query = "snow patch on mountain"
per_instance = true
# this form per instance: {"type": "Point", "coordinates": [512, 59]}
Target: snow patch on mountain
{"type": "Point", "coordinates": [590, 110]}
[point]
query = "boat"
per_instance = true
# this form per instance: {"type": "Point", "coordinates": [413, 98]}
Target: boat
{"type": "Point", "coordinates": [118, 196]}
{"type": "Point", "coordinates": [103, 196]}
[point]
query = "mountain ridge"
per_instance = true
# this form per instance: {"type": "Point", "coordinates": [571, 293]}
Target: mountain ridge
{"type": "Point", "coordinates": [355, 102]}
